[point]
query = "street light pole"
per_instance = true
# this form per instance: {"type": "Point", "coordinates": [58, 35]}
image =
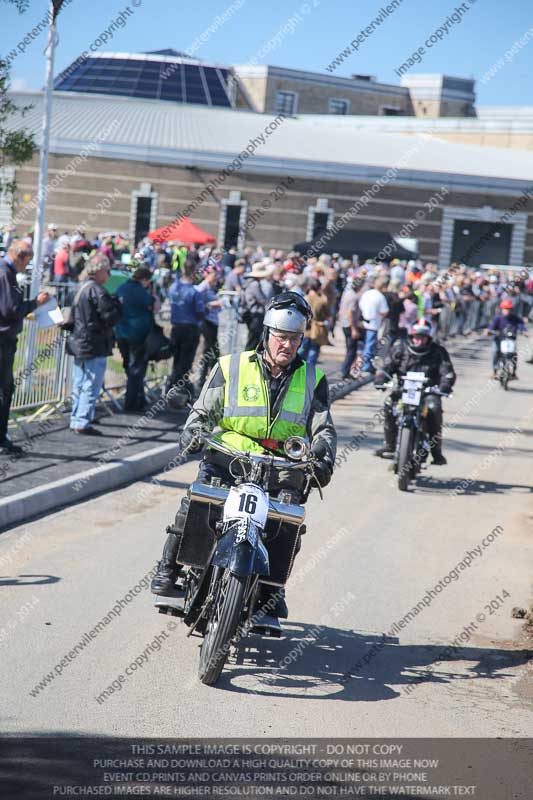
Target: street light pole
{"type": "Point", "coordinates": [36, 274]}
{"type": "Point", "coordinates": [43, 167]}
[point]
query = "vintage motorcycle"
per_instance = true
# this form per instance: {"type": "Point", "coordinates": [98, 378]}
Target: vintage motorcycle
{"type": "Point", "coordinates": [235, 540]}
{"type": "Point", "coordinates": [506, 362]}
{"type": "Point", "coordinates": [412, 443]}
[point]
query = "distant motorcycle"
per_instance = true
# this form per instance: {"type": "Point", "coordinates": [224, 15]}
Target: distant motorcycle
{"type": "Point", "coordinates": [506, 361]}
{"type": "Point", "coordinates": [232, 538]}
{"type": "Point", "coordinates": [412, 442]}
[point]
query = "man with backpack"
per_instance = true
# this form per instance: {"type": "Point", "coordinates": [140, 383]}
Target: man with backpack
{"type": "Point", "coordinates": [352, 324]}
{"type": "Point", "coordinates": [253, 302]}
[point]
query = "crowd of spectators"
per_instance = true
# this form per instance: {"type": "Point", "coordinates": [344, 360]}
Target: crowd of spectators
{"type": "Point", "coordinates": [371, 302]}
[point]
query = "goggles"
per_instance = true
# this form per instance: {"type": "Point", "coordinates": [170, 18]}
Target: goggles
{"type": "Point", "coordinates": [292, 300]}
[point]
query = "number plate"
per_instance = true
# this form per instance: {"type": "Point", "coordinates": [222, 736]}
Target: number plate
{"type": "Point", "coordinates": [247, 501]}
{"type": "Point", "coordinates": [507, 346]}
{"type": "Point", "coordinates": [411, 392]}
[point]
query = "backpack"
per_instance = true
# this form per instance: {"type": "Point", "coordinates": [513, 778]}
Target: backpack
{"type": "Point", "coordinates": [76, 263]}
{"type": "Point", "coordinates": [244, 314]}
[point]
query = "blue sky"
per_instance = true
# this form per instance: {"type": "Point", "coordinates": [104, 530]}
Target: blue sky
{"type": "Point", "coordinates": [319, 30]}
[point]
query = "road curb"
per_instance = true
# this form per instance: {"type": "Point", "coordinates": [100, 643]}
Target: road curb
{"type": "Point", "coordinates": [58, 494]}
{"type": "Point", "coordinates": [34, 502]}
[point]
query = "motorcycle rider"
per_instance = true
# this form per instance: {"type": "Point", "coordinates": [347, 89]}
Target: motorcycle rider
{"type": "Point", "coordinates": [259, 398]}
{"type": "Point", "coordinates": [418, 354]}
{"type": "Point", "coordinates": [502, 322]}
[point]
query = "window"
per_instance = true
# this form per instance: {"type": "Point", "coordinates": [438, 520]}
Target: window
{"type": "Point", "coordinates": [390, 111]}
{"type": "Point", "coordinates": [233, 222]}
{"type": "Point", "coordinates": [142, 218]}
{"type": "Point", "coordinates": [320, 223]}
{"type": "Point", "coordinates": [477, 242]}
{"type": "Point", "coordinates": [143, 213]}
{"type": "Point", "coordinates": [338, 106]}
{"type": "Point", "coordinates": [319, 219]}
{"type": "Point", "coordinates": [286, 103]}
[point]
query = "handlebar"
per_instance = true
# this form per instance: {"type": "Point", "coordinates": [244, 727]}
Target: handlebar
{"type": "Point", "coordinates": [427, 390]}
{"type": "Point", "coordinates": [258, 458]}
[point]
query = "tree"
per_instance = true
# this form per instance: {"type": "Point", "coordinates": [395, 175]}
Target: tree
{"type": "Point", "coordinates": [16, 146]}
{"type": "Point", "coordinates": [21, 5]}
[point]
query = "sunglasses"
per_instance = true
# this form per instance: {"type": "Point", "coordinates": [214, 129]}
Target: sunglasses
{"type": "Point", "coordinates": [288, 338]}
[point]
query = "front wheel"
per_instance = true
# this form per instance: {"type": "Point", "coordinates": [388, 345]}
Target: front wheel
{"type": "Point", "coordinates": [404, 458]}
{"type": "Point", "coordinates": [504, 374]}
{"type": "Point", "coordinates": [223, 622]}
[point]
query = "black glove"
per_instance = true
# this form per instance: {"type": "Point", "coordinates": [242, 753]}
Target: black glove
{"type": "Point", "coordinates": [323, 472]}
{"type": "Point", "coordinates": [324, 464]}
{"type": "Point", "coordinates": [191, 440]}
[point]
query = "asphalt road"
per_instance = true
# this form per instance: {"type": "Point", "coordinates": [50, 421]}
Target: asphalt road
{"type": "Point", "coordinates": [371, 554]}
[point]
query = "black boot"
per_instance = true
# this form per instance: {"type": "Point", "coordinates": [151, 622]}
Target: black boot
{"type": "Point", "coordinates": [389, 442]}
{"type": "Point", "coordinates": [436, 451]}
{"type": "Point", "coordinates": [385, 451]}
{"type": "Point", "coordinates": [163, 582]}
{"type": "Point", "coordinates": [271, 601]}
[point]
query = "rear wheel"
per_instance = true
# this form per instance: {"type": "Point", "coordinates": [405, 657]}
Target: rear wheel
{"type": "Point", "coordinates": [404, 458]}
{"type": "Point", "coordinates": [225, 615]}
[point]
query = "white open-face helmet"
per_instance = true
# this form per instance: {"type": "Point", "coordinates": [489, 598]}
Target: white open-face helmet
{"type": "Point", "coordinates": [289, 311]}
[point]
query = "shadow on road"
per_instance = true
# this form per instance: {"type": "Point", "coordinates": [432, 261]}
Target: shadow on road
{"type": "Point", "coordinates": [21, 580]}
{"type": "Point", "coordinates": [430, 485]}
{"type": "Point", "coordinates": [319, 662]}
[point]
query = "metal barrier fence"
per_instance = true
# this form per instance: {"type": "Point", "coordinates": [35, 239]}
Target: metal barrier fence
{"type": "Point", "coordinates": [463, 318]}
{"type": "Point", "coordinates": [44, 382]}
{"type": "Point", "coordinates": [43, 368]}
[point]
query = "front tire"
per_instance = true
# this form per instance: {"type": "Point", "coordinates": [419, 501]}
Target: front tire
{"type": "Point", "coordinates": [404, 458]}
{"type": "Point", "coordinates": [504, 375]}
{"type": "Point", "coordinates": [223, 622]}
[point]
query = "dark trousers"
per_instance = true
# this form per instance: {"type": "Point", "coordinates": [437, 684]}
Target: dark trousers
{"type": "Point", "coordinates": [184, 339]}
{"type": "Point", "coordinates": [211, 352]}
{"type": "Point", "coordinates": [134, 359]}
{"type": "Point", "coordinates": [351, 351]}
{"type": "Point", "coordinates": [433, 420]}
{"type": "Point", "coordinates": [8, 346]}
{"type": "Point", "coordinates": [255, 331]}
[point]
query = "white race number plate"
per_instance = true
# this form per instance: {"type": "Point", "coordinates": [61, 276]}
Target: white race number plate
{"type": "Point", "coordinates": [247, 501]}
{"type": "Point", "coordinates": [508, 346]}
{"type": "Point", "coordinates": [411, 392]}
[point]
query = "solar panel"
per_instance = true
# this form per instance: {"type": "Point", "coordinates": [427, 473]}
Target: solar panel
{"type": "Point", "coordinates": [171, 81]}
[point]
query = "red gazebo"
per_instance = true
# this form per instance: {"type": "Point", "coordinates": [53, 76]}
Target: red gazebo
{"type": "Point", "coordinates": [183, 231]}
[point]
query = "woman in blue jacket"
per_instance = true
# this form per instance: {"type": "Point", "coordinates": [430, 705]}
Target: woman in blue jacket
{"type": "Point", "coordinates": [187, 312]}
{"type": "Point", "coordinates": [131, 333]}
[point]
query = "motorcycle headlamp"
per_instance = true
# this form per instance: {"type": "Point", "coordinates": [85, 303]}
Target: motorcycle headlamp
{"type": "Point", "coordinates": [296, 448]}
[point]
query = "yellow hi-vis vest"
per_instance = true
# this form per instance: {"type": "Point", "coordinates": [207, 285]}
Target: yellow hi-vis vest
{"type": "Point", "coordinates": [247, 404]}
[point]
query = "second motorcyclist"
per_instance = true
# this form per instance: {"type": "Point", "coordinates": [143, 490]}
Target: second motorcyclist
{"type": "Point", "coordinates": [419, 353]}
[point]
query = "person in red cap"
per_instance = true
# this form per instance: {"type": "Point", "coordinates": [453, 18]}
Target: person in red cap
{"type": "Point", "coordinates": [501, 323]}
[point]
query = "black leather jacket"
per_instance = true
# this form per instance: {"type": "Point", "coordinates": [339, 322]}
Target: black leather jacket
{"type": "Point", "coordinates": [434, 362]}
{"type": "Point", "coordinates": [94, 313]}
{"type": "Point", "coordinates": [13, 307]}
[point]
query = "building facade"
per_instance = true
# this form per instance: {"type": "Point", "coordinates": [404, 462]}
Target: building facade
{"type": "Point", "coordinates": [132, 165]}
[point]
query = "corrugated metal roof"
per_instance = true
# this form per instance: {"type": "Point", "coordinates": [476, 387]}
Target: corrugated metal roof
{"type": "Point", "coordinates": [318, 146]}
